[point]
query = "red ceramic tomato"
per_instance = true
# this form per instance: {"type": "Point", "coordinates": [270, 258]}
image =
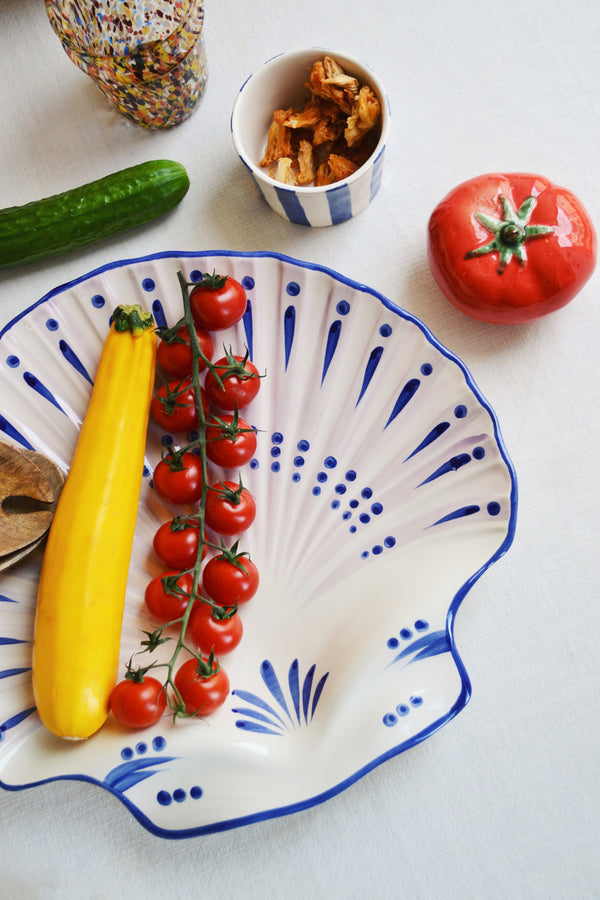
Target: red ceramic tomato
{"type": "Point", "coordinates": [218, 302]}
{"type": "Point", "coordinates": [138, 701]}
{"type": "Point", "coordinates": [510, 248]}
{"type": "Point", "coordinates": [202, 684]}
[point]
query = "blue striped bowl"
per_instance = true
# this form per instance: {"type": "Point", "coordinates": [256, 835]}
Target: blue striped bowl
{"type": "Point", "coordinates": [279, 84]}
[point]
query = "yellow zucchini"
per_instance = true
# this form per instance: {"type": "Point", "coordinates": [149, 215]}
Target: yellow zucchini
{"type": "Point", "coordinates": [81, 593]}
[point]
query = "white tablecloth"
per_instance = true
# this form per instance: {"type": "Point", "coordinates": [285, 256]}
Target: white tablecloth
{"type": "Point", "coordinates": [503, 801]}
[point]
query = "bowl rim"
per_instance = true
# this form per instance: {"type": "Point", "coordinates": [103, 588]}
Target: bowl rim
{"type": "Point", "coordinates": [316, 51]}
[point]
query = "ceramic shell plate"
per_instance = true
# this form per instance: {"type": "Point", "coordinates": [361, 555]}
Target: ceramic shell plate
{"type": "Point", "coordinates": [383, 490]}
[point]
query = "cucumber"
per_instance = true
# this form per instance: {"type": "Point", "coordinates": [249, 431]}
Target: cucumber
{"type": "Point", "coordinates": [119, 201]}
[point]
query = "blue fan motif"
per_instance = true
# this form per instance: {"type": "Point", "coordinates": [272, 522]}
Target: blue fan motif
{"type": "Point", "coordinates": [423, 647]}
{"type": "Point", "coordinates": [264, 717]}
{"type": "Point", "coordinates": [137, 766]}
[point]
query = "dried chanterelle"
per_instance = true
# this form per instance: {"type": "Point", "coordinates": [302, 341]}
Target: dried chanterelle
{"type": "Point", "coordinates": [331, 136]}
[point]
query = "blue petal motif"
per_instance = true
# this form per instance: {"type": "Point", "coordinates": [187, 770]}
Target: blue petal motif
{"type": "Point", "coordinates": [270, 679]}
{"type": "Point", "coordinates": [458, 514]}
{"type": "Point", "coordinates": [406, 394]}
{"type": "Point", "coordinates": [457, 462]}
{"type": "Point", "coordinates": [15, 720]}
{"type": "Point", "coordinates": [41, 389]}
{"type": "Point", "coordinates": [72, 358]}
{"type": "Point", "coordinates": [372, 363]}
{"type": "Point", "coordinates": [289, 326]}
{"type": "Point", "coordinates": [159, 314]}
{"type": "Point", "coordinates": [257, 701]}
{"type": "Point", "coordinates": [126, 775]}
{"type": "Point", "coordinates": [332, 342]}
{"type": "Point", "coordinates": [11, 431]}
{"type": "Point", "coordinates": [7, 673]}
{"type": "Point", "coordinates": [295, 687]}
{"type": "Point", "coordinates": [433, 435]}
{"type": "Point", "coordinates": [430, 645]}
{"type": "Point", "coordinates": [248, 328]}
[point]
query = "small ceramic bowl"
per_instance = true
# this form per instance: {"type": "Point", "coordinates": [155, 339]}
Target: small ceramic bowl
{"type": "Point", "coordinates": [280, 84]}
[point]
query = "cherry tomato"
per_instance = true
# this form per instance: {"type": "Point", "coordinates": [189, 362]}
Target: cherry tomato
{"type": "Point", "coordinates": [175, 354]}
{"type": "Point", "coordinates": [218, 302]}
{"type": "Point", "coordinates": [174, 405]}
{"type": "Point", "coordinates": [203, 686]}
{"type": "Point", "coordinates": [209, 630]}
{"type": "Point", "coordinates": [228, 581]}
{"type": "Point", "coordinates": [167, 596]}
{"type": "Point", "coordinates": [179, 482]}
{"type": "Point", "coordinates": [510, 248]}
{"type": "Point", "coordinates": [230, 508]}
{"type": "Point", "coordinates": [230, 441]}
{"type": "Point", "coordinates": [240, 379]}
{"type": "Point", "coordinates": [176, 543]}
{"type": "Point", "coordinates": [138, 703]}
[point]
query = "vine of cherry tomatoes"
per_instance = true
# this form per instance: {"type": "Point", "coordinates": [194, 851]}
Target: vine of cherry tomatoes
{"type": "Point", "coordinates": [203, 605]}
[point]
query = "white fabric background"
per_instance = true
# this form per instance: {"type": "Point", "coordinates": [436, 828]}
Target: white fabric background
{"type": "Point", "coordinates": [502, 802]}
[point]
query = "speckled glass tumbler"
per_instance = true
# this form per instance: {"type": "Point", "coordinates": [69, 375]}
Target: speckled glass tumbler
{"type": "Point", "coordinates": [146, 56]}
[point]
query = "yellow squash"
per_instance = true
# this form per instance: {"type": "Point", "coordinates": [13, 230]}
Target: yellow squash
{"type": "Point", "coordinates": [81, 594]}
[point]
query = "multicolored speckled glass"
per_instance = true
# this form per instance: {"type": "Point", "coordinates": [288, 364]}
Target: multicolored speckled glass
{"type": "Point", "coordinates": [147, 58]}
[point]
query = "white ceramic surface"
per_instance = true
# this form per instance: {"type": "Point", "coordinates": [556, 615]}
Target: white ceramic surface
{"type": "Point", "coordinates": [279, 84]}
{"type": "Point", "coordinates": [383, 491]}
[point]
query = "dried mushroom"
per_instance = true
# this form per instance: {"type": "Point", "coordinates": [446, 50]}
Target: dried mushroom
{"type": "Point", "coordinates": [331, 136]}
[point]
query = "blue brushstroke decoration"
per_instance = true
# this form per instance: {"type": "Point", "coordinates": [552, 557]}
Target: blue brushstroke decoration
{"type": "Point", "coordinates": [33, 382]}
{"type": "Point", "coordinates": [332, 342]}
{"type": "Point", "coordinates": [7, 673]}
{"type": "Point", "coordinates": [159, 314]}
{"type": "Point", "coordinates": [452, 465]}
{"type": "Point", "coordinates": [424, 647]}
{"type": "Point", "coordinates": [406, 394]}
{"type": "Point", "coordinates": [130, 773]}
{"type": "Point", "coordinates": [339, 199]}
{"type": "Point", "coordinates": [433, 435]}
{"type": "Point", "coordinates": [15, 720]}
{"type": "Point", "coordinates": [248, 328]}
{"type": "Point", "coordinates": [72, 358]}
{"type": "Point", "coordinates": [372, 363]}
{"type": "Point", "coordinates": [294, 685]}
{"type": "Point", "coordinates": [289, 326]}
{"type": "Point", "coordinates": [249, 697]}
{"type": "Point", "coordinates": [12, 432]}
{"type": "Point", "coordinates": [270, 679]}
{"type": "Point", "coordinates": [458, 514]}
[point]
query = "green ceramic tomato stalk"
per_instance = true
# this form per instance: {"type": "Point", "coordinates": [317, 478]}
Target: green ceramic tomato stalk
{"type": "Point", "coordinates": [509, 233]}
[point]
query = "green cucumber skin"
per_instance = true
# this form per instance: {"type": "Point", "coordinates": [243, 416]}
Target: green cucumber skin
{"type": "Point", "coordinates": [119, 201]}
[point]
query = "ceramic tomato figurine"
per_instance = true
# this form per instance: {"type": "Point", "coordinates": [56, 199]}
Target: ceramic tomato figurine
{"type": "Point", "coordinates": [510, 248]}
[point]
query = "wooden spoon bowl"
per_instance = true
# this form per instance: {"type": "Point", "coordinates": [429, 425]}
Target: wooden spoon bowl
{"type": "Point", "coordinates": [30, 485]}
